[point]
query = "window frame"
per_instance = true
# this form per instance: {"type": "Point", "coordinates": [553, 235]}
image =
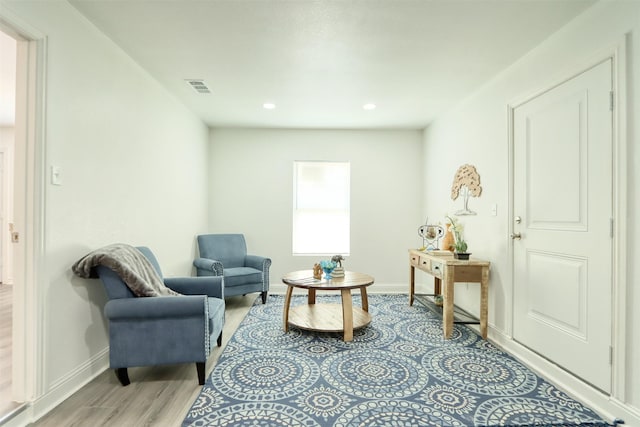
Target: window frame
{"type": "Point", "coordinates": [316, 212]}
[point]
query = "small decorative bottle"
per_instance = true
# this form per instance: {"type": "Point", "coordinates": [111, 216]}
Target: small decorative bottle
{"type": "Point", "coordinates": [448, 240]}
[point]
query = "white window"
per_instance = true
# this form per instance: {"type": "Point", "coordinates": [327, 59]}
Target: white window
{"type": "Point", "coordinates": [321, 208]}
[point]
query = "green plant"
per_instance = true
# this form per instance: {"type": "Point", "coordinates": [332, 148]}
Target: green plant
{"type": "Point", "coordinates": [460, 245]}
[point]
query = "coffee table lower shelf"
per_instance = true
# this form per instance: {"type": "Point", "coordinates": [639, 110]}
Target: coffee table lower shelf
{"type": "Point", "coordinates": [325, 317]}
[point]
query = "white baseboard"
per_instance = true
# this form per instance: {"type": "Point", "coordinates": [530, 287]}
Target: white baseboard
{"type": "Point", "coordinates": [70, 383]}
{"type": "Point", "coordinates": [62, 389]}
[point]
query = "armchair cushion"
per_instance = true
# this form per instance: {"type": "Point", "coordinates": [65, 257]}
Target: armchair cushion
{"type": "Point", "coordinates": [241, 276]}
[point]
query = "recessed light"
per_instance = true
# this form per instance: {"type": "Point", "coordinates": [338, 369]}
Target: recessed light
{"type": "Point", "coordinates": [268, 105]}
{"type": "Point", "coordinates": [369, 106]}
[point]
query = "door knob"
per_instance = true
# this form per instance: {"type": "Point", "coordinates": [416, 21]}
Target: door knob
{"type": "Point", "coordinates": [516, 236]}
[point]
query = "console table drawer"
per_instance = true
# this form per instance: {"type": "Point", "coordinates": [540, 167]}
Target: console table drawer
{"type": "Point", "coordinates": [414, 260]}
{"type": "Point", "coordinates": [420, 262]}
{"type": "Point", "coordinates": [425, 264]}
{"type": "Point", "coordinates": [436, 269]}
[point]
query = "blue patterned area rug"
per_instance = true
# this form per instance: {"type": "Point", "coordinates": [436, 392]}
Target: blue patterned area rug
{"type": "Point", "coordinates": [398, 371]}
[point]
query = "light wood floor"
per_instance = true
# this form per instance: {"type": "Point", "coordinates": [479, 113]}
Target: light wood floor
{"type": "Point", "coordinates": [157, 396]}
{"type": "Point", "coordinates": [6, 321]}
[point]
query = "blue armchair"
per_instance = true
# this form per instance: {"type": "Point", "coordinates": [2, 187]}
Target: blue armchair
{"type": "Point", "coordinates": [163, 330]}
{"type": "Point", "coordinates": [226, 255]}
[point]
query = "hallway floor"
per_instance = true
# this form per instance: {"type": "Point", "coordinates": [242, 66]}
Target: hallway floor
{"type": "Point", "coordinates": [6, 321]}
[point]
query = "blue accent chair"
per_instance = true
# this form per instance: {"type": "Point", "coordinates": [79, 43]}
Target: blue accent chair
{"type": "Point", "coordinates": [226, 255]}
{"type": "Point", "coordinates": [165, 330]}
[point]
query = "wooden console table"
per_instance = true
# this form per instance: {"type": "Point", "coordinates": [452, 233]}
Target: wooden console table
{"type": "Point", "coordinates": [447, 270]}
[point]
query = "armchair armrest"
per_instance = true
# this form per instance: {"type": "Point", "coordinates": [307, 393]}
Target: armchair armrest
{"type": "Point", "coordinates": [155, 307]}
{"type": "Point", "coordinates": [212, 265]}
{"type": "Point", "coordinates": [258, 262]}
{"type": "Point", "coordinates": [263, 264]}
{"type": "Point", "coordinates": [212, 286]}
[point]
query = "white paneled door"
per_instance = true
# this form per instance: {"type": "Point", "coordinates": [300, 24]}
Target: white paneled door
{"type": "Point", "coordinates": [562, 224]}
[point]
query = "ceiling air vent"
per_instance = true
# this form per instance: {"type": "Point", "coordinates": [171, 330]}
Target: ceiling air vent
{"type": "Point", "coordinates": [199, 86]}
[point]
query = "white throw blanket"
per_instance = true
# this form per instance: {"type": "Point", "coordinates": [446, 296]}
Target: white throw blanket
{"type": "Point", "coordinates": [130, 264]}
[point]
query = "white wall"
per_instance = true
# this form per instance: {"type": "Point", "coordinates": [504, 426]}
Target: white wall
{"type": "Point", "coordinates": [133, 163]}
{"type": "Point", "coordinates": [476, 132]}
{"type": "Point", "coordinates": [251, 173]}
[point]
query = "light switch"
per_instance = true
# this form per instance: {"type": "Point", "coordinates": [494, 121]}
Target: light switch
{"type": "Point", "coordinates": [56, 175]}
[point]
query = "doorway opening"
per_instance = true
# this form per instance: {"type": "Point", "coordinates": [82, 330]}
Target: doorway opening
{"type": "Point", "coordinates": [8, 58]}
{"type": "Point", "coordinates": [22, 238]}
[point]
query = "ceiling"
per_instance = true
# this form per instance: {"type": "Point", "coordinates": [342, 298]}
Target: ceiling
{"type": "Point", "coordinates": [319, 61]}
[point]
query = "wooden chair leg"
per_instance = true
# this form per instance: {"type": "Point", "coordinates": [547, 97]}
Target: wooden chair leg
{"type": "Point", "coordinates": [200, 366]}
{"type": "Point", "coordinates": [123, 377]}
{"type": "Point", "coordinates": [220, 340]}
{"type": "Point", "coordinates": [264, 297]}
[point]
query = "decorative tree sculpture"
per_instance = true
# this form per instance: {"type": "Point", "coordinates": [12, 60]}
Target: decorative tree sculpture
{"type": "Point", "coordinates": [466, 183]}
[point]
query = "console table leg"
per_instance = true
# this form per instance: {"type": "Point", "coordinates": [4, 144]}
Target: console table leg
{"type": "Point", "coordinates": [412, 283]}
{"type": "Point", "coordinates": [447, 306]}
{"type": "Point", "coordinates": [484, 302]}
